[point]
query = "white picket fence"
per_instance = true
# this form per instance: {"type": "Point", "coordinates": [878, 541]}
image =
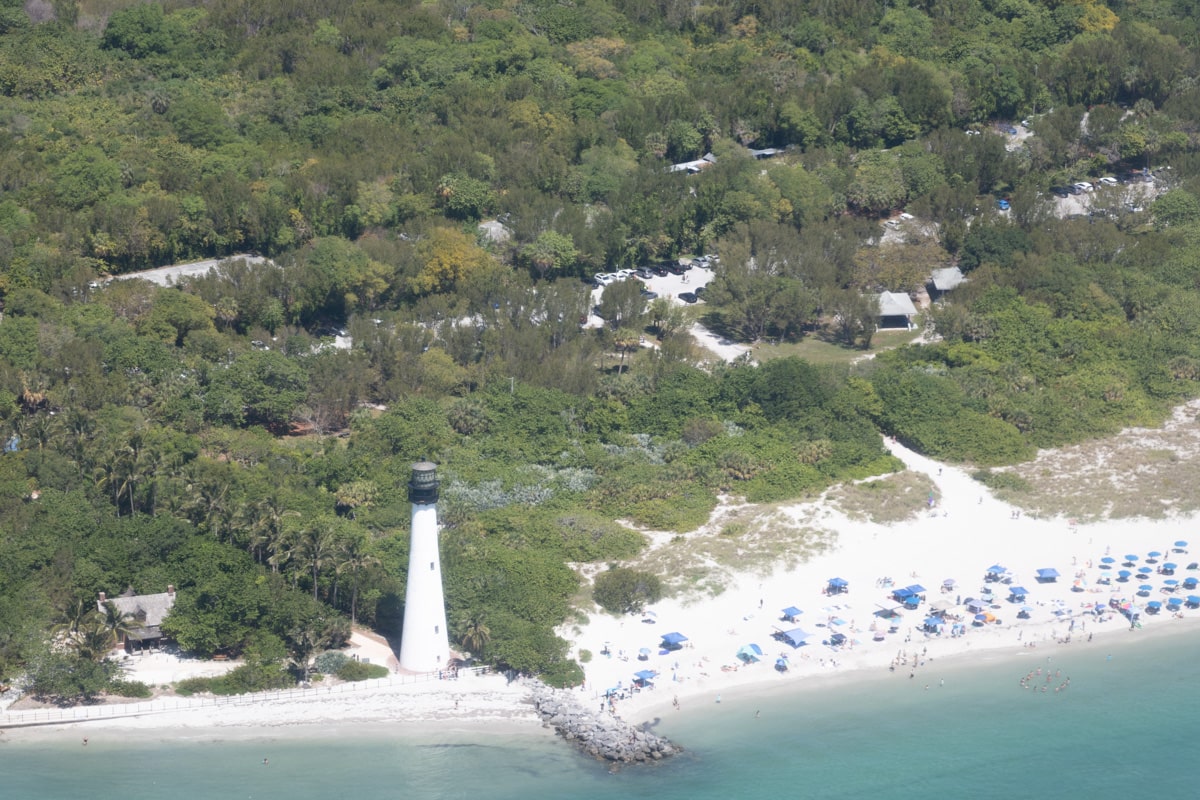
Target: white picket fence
{"type": "Point", "coordinates": [46, 716]}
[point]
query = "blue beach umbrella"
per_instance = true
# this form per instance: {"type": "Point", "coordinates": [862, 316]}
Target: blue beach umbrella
{"type": "Point", "coordinates": [1171, 582]}
{"type": "Point", "coordinates": [1123, 575]}
{"type": "Point", "coordinates": [1145, 570]}
{"type": "Point", "coordinates": [1193, 601]}
{"type": "Point", "coordinates": [1108, 560]}
{"type": "Point", "coordinates": [1154, 604]}
{"type": "Point", "coordinates": [1129, 559]}
{"type": "Point", "coordinates": [1169, 567]}
{"type": "Point", "coordinates": [1175, 601]}
{"type": "Point", "coordinates": [1145, 588]}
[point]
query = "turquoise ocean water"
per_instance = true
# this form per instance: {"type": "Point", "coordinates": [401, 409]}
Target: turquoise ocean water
{"type": "Point", "coordinates": [1127, 726]}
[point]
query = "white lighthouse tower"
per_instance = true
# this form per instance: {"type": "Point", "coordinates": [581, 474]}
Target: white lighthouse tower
{"type": "Point", "coordinates": [425, 644]}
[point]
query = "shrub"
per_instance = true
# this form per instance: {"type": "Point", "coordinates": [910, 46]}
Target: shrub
{"type": "Point", "coordinates": [190, 686]}
{"type": "Point", "coordinates": [252, 678]}
{"type": "Point", "coordinates": [129, 689]}
{"type": "Point", "coordinates": [330, 662]}
{"type": "Point", "coordinates": [621, 590]}
{"type": "Point", "coordinates": [361, 671]}
{"type": "Point", "coordinates": [562, 673]}
{"type": "Point", "coordinates": [1001, 480]}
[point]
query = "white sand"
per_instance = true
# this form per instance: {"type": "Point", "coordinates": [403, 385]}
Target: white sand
{"type": "Point", "coordinates": [968, 532]}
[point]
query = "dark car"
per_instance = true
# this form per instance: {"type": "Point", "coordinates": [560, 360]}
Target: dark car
{"type": "Point", "coordinates": [1060, 191]}
{"type": "Point", "coordinates": [644, 273]}
{"type": "Point", "coordinates": [649, 295]}
{"type": "Point", "coordinates": [688, 297]}
{"type": "Point", "coordinates": [675, 268]}
{"type": "Point", "coordinates": [700, 291]}
{"type": "Point", "coordinates": [660, 270]}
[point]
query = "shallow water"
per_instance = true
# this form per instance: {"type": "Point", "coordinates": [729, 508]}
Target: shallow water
{"type": "Point", "coordinates": [1128, 724]}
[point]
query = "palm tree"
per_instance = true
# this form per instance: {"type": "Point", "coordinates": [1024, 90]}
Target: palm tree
{"type": "Point", "coordinates": [118, 623]}
{"type": "Point", "coordinates": [315, 547]}
{"type": "Point", "coordinates": [475, 634]}
{"type": "Point", "coordinates": [73, 616]}
{"type": "Point", "coordinates": [354, 557]}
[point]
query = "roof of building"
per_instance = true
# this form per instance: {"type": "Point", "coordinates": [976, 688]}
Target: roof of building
{"type": "Point", "coordinates": [149, 610]}
{"type": "Point", "coordinates": [895, 304]}
{"type": "Point", "coordinates": [946, 279]}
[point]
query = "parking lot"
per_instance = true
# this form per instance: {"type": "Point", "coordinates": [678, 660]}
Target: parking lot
{"type": "Point", "coordinates": [670, 286]}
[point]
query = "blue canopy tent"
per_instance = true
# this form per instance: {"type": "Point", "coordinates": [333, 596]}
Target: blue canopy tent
{"type": "Point", "coordinates": [673, 641]}
{"type": "Point", "coordinates": [934, 624]}
{"type": "Point", "coordinates": [1025, 612]}
{"type": "Point", "coordinates": [900, 595]}
{"type": "Point", "coordinates": [644, 677]}
{"type": "Point", "coordinates": [975, 606]}
{"type": "Point", "coordinates": [912, 601]}
{"type": "Point", "coordinates": [1189, 583]}
{"type": "Point", "coordinates": [1017, 594]}
{"type": "Point", "coordinates": [795, 637]}
{"type": "Point", "coordinates": [994, 573]}
{"type": "Point", "coordinates": [749, 653]}
{"type": "Point", "coordinates": [791, 612]}
{"type": "Point", "coordinates": [838, 586]}
{"type": "Point", "coordinates": [916, 588]}
{"type": "Point", "coordinates": [1047, 575]}
{"type": "Point", "coordinates": [1153, 606]}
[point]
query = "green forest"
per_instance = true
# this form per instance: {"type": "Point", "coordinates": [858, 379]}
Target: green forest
{"type": "Point", "coordinates": [210, 435]}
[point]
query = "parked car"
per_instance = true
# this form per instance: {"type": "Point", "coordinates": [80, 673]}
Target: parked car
{"type": "Point", "coordinates": [1002, 204]}
{"type": "Point", "coordinates": [1060, 191]}
{"type": "Point", "coordinates": [700, 291]}
{"type": "Point", "coordinates": [675, 268]}
{"type": "Point", "coordinates": [644, 273]}
{"type": "Point", "coordinates": [1108, 180]}
{"type": "Point", "coordinates": [688, 297]}
{"type": "Point", "coordinates": [1084, 186]}
{"type": "Point", "coordinates": [1010, 130]}
{"type": "Point", "coordinates": [603, 278]}
{"type": "Point", "coordinates": [660, 270]}
{"type": "Point", "coordinates": [649, 295]}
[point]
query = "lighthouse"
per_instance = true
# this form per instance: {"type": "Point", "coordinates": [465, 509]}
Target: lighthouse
{"type": "Point", "coordinates": [425, 644]}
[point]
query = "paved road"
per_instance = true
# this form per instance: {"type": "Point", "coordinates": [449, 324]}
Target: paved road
{"type": "Point", "coordinates": [165, 276]}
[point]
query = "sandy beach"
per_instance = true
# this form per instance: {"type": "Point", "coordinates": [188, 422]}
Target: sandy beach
{"type": "Point", "coordinates": [958, 538]}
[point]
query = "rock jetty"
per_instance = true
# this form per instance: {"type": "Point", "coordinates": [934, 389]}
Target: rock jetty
{"type": "Point", "coordinates": [597, 733]}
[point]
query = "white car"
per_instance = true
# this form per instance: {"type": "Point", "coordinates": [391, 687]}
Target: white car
{"type": "Point", "coordinates": [1084, 186]}
{"type": "Point", "coordinates": [1108, 180]}
{"type": "Point", "coordinates": [604, 278]}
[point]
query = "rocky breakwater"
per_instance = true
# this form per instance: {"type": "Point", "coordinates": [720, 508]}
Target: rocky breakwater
{"type": "Point", "coordinates": [598, 733]}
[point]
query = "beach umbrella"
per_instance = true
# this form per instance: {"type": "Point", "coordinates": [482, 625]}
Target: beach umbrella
{"type": "Point", "coordinates": [981, 617]}
{"type": "Point", "coordinates": [1130, 559]}
{"type": "Point", "coordinates": [1145, 570]}
{"type": "Point", "coordinates": [1169, 567]}
{"type": "Point", "coordinates": [1175, 601]}
{"type": "Point", "coordinates": [1123, 575]}
{"type": "Point", "coordinates": [949, 583]}
{"type": "Point", "coordinates": [1193, 601]}
{"type": "Point", "coordinates": [1145, 587]}
{"type": "Point", "coordinates": [1181, 543]}
{"type": "Point", "coordinates": [1153, 554]}
{"type": "Point", "coordinates": [1108, 560]}
{"type": "Point", "coordinates": [1154, 604]}
{"type": "Point", "coordinates": [1171, 582]}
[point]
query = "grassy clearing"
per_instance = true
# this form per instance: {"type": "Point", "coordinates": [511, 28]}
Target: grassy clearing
{"type": "Point", "coordinates": [1137, 473]}
{"type": "Point", "coordinates": [751, 539]}
{"type": "Point", "coordinates": [890, 499]}
{"type": "Point", "coordinates": [818, 351]}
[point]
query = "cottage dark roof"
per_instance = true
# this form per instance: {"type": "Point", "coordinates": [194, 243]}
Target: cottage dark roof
{"type": "Point", "coordinates": [148, 609]}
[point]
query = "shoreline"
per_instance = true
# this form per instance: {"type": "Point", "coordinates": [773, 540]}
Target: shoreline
{"type": "Point", "coordinates": [955, 540]}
